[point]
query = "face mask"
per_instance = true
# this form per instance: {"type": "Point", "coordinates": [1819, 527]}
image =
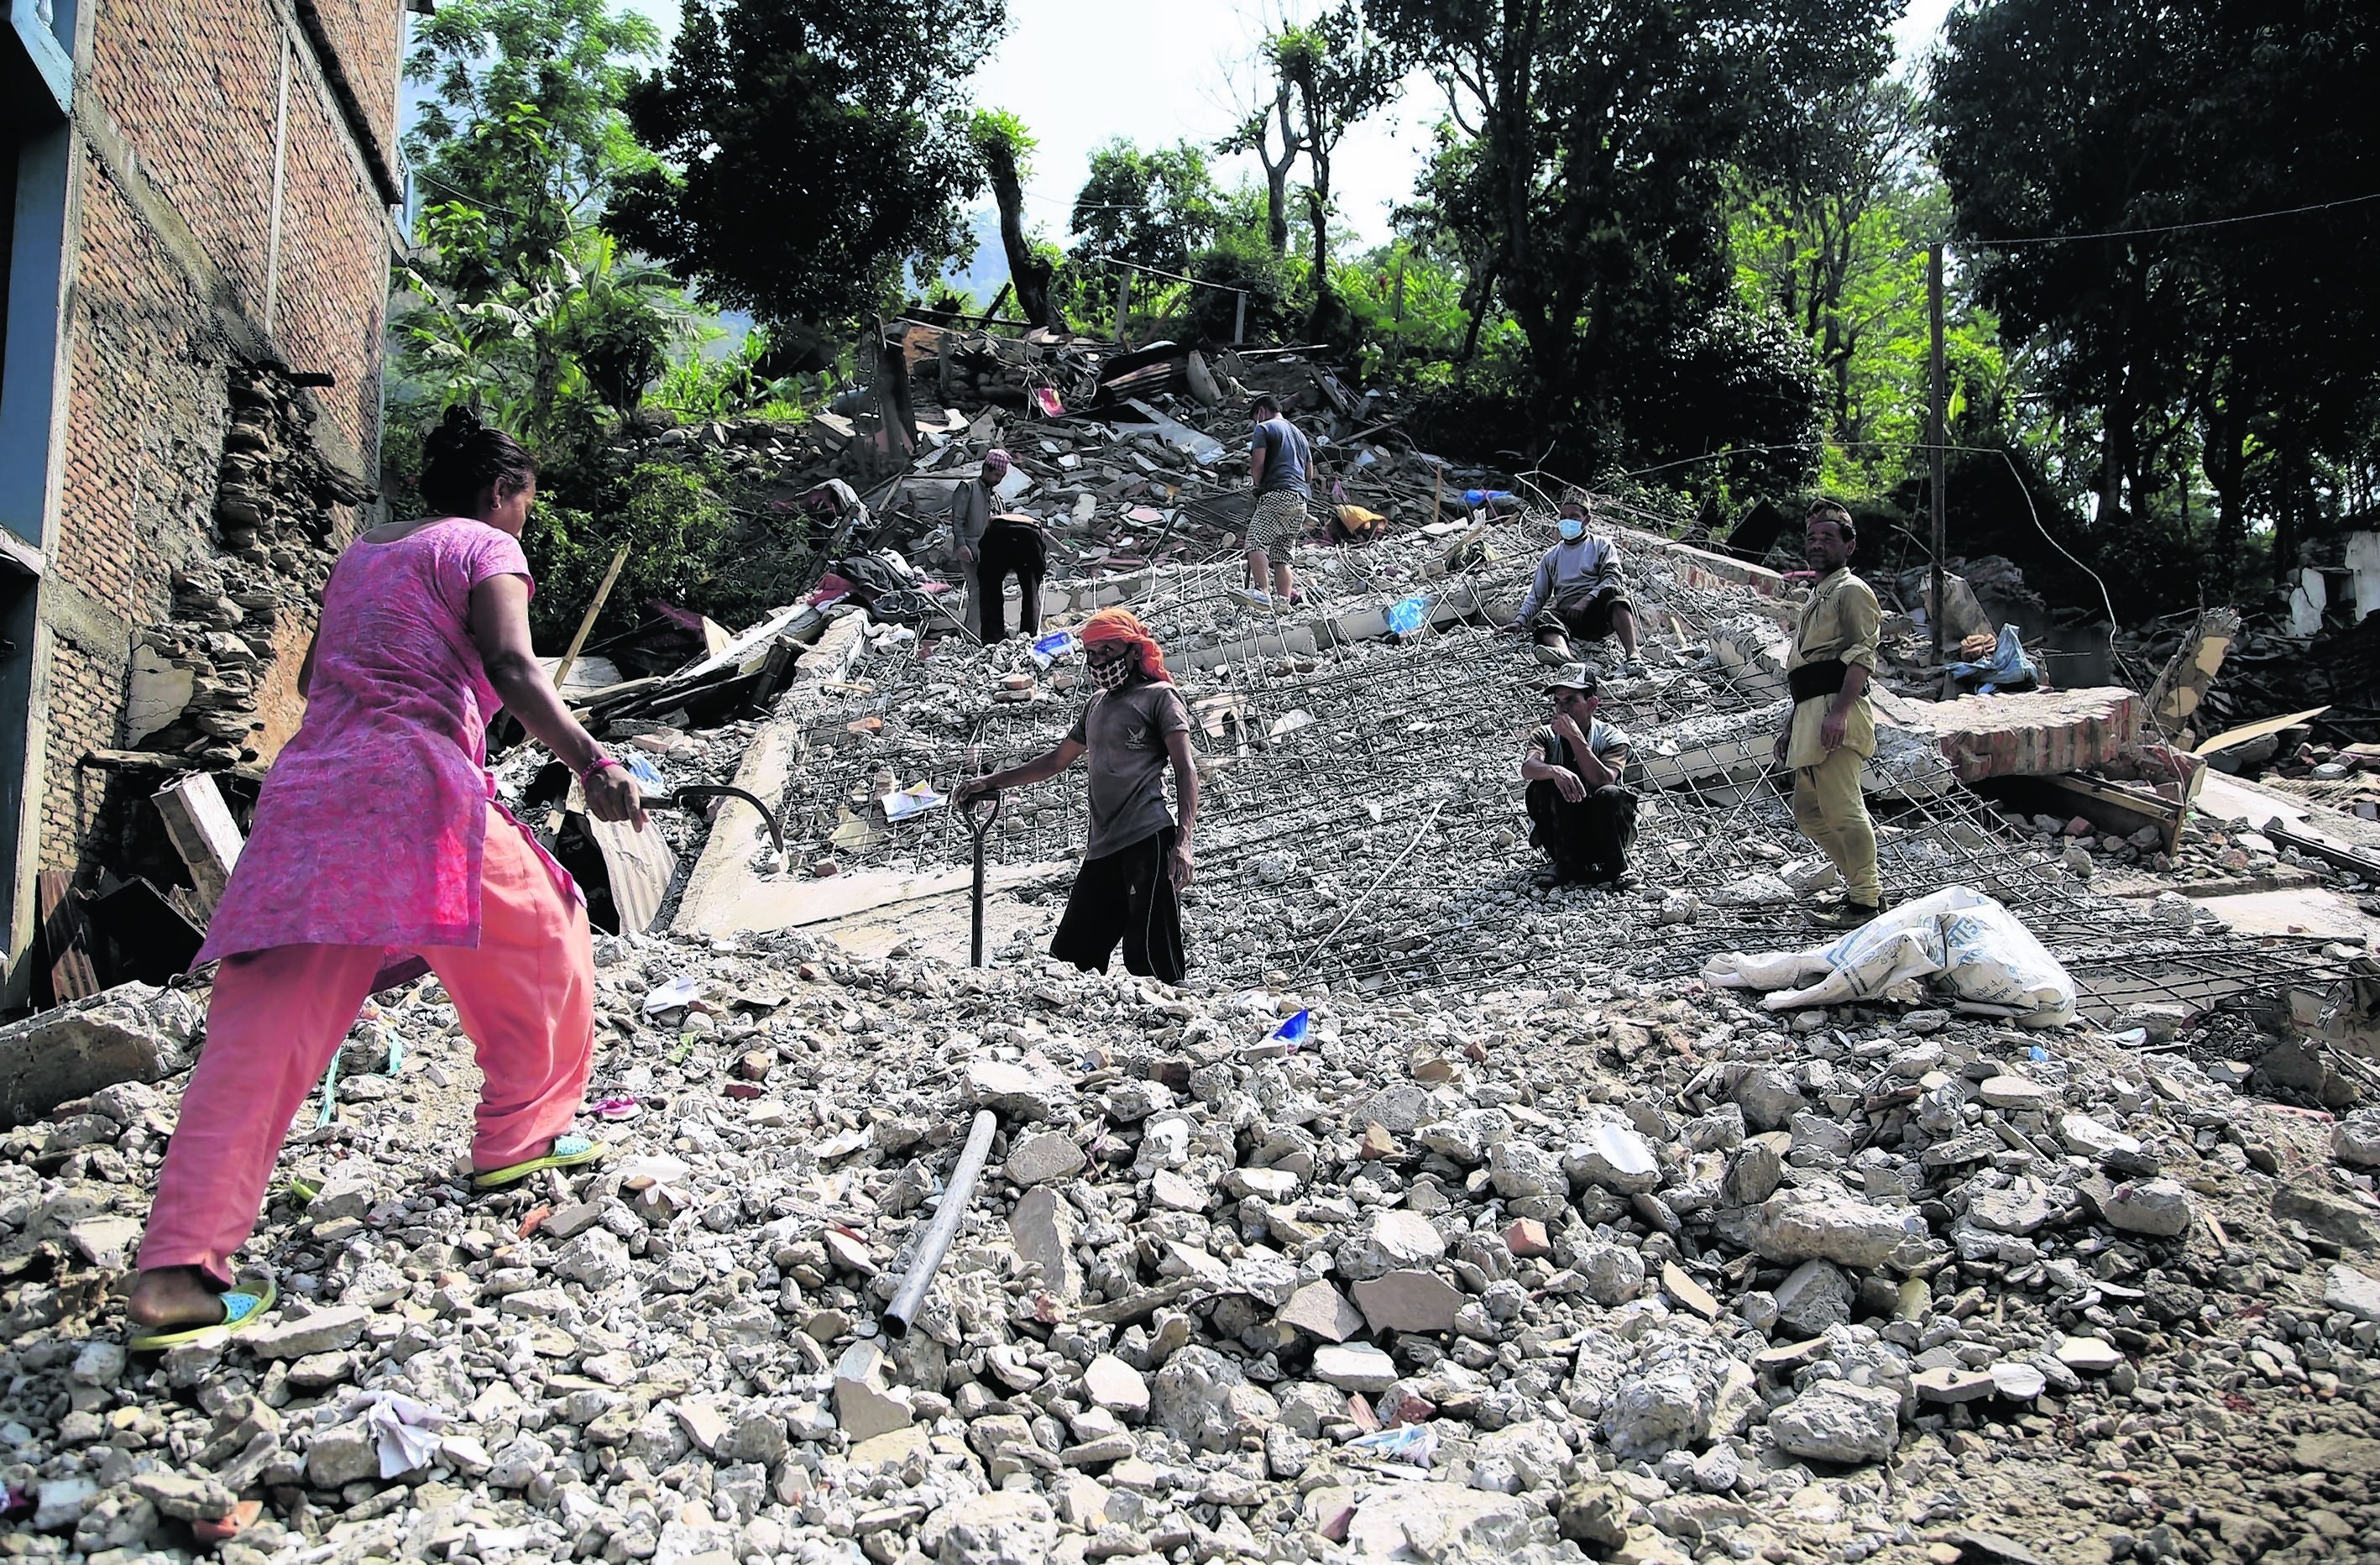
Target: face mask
{"type": "Point", "coordinates": [1111, 675]}
{"type": "Point", "coordinates": [1572, 529]}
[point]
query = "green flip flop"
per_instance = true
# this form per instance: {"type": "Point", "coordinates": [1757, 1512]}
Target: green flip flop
{"type": "Point", "coordinates": [567, 1152]}
{"type": "Point", "coordinates": [242, 1309]}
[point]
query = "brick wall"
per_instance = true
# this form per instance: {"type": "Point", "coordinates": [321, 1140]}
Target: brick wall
{"type": "Point", "coordinates": [333, 271]}
{"type": "Point", "coordinates": [193, 87]}
{"type": "Point", "coordinates": [364, 34]}
{"type": "Point", "coordinates": [145, 415]}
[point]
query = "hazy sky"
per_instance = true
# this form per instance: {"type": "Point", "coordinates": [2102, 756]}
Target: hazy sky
{"type": "Point", "coordinates": [1078, 72]}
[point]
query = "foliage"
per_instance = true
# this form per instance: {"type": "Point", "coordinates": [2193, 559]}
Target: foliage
{"type": "Point", "coordinates": [678, 532]}
{"type": "Point", "coordinates": [542, 348]}
{"type": "Point", "coordinates": [735, 385]}
{"type": "Point", "coordinates": [2244, 350]}
{"type": "Point", "coordinates": [1337, 82]}
{"type": "Point", "coordinates": [1598, 144]}
{"type": "Point", "coordinates": [1145, 209]}
{"type": "Point", "coordinates": [1242, 258]}
{"type": "Point", "coordinates": [1835, 239]}
{"type": "Point", "coordinates": [523, 122]}
{"type": "Point", "coordinates": [814, 150]}
{"type": "Point", "coordinates": [512, 303]}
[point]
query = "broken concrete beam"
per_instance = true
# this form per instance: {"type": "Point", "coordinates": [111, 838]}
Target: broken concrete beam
{"type": "Point", "coordinates": [199, 824]}
{"type": "Point", "coordinates": [2038, 733]}
{"type": "Point", "coordinates": [1295, 642]}
{"type": "Point", "coordinates": [131, 1033]}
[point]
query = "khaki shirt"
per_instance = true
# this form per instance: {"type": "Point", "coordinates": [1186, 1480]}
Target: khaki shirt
{"type": "Point", "coordinates": [1841, 620]}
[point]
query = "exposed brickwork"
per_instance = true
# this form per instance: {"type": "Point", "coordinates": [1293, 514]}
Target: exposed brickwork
{"type": "Point", "coordinates": [192, 85]}
{"type": "Point", "coordinates": [364, 34]}
{"type": "Point", "coordinates": [333, 271]}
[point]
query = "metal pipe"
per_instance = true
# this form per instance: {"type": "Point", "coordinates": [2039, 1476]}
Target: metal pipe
{"type": "Point", "coordinates": [910, 1297]}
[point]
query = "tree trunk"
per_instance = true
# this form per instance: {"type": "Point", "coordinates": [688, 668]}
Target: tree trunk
{"type": "Point", "coordinates": [1277, 174]}
{"type": "Point", "coordinates": [1030, 274]}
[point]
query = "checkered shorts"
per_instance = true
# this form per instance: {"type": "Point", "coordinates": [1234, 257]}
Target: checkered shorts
{"type": "Point", "coordinates": [1279, 522]}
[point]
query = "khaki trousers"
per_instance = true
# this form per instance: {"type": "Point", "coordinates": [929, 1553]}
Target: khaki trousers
{"type": "Point", "coordinates": [1831, 812]}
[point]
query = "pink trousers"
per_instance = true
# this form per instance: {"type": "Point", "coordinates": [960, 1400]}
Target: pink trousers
{"type": "Point", "coordinates": [525, 995]}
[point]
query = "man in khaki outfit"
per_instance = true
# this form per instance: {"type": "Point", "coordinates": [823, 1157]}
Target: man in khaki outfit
{"type": "Point", "coordinates": [1832, 730]}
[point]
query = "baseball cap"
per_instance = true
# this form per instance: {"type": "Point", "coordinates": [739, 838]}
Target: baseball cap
{"type": "Point", "coordinates": [1573, 677]}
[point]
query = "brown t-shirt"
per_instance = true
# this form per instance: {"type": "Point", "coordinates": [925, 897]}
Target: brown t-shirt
{"type": "Point", "coordinates": [1124, 731]}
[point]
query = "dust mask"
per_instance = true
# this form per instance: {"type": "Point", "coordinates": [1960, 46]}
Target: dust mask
{"type": "Point", "coordinates": [1111, 675]}
{"type": "Point", "coordinates": [1572, 529]}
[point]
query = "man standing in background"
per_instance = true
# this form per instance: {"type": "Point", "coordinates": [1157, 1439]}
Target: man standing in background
{"type": "Point", "coordinates": [1831, 730]}
{"type": "Point", "coordinates": [1278, 458]}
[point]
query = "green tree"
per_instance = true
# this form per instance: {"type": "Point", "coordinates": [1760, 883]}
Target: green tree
{"type": "Point", "coordinates": [814, 151]}
{"type": "Point", "coordinates": [512, 300]}
{"type": "Point", "coordinates": [1269, 116]}
{"type": "Point", "coordinates": [1338, 82]}
{"type": "Point", "coordinates": [1006, 149]}
{"type": "Point", "coordinates": [523, 121]}
{"type": "Point", "coordinates": [1151, 209]}
{"type": "Point", "coordinates": [1600, 139]}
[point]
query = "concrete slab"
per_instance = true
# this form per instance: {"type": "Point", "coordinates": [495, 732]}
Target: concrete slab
{"type": "Point", "coordinates": [2302, 911]}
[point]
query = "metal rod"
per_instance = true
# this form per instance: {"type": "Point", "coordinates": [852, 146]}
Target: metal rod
{"type": "Point", "coordinates": [910, 1297]}
{"type": "Point", "coordinates": [1934, 457]}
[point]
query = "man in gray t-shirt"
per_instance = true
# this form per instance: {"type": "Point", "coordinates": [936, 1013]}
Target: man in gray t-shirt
{"type": "Point", "coordinates": [1137, 858]}
{"type": "Point", "coordinates": [1278, 459]}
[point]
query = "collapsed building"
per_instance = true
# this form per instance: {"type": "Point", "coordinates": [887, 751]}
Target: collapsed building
{"type": "Point", "coordinates": [1438, 1216]}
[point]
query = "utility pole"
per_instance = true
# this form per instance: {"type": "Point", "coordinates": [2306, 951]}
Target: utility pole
{"type": "Point", "coordinates": [1123, 301]}
{"type": "Point", "coordinates": [1934, 307]}
{"type": "Point", "coordinates": [1397, 342]}
{"type": "Point", "coordinates": [1240, 319]}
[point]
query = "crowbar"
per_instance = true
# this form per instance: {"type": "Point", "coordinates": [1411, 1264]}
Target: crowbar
{"type": "Point", "coordinates": [978, 829]}
{"type": "Point", "coordinates": [694, 795]}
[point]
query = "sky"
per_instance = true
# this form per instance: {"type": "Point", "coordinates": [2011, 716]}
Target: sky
{"type": "Point", "coordinates": [1077, 73]}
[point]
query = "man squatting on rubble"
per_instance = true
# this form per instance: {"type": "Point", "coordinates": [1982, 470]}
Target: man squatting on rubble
{"type": "Point", "coordinates": [1579, 814]}
{"type": "Point", "coordinates": [1576, 592]}
{"type": "Point", "coordinates": [1831, 730]}
{"type": "Point", "coordinates": [1137, 858]}
{"type": "Point", "coordinates": [997, 545]}
{"type": "Point", "coordinates": [379, 848]}
{"type": "Point", "coordinates": [1279, 460]}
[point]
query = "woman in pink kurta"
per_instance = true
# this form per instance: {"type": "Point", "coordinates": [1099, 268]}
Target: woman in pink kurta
{"type": "Point", "coordinates": [378, 846]}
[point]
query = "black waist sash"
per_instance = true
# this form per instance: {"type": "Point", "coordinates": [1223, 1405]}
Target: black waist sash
{"type": "Point", "coordinates": [1822, 678]}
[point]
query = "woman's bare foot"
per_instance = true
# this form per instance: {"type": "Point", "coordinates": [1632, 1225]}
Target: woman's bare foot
{"type": "Point", "coordinates": [174, 1296]}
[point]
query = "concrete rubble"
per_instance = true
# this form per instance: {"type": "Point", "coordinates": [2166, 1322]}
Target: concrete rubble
{"type": "Point", "coordinates": [1530, 1247]}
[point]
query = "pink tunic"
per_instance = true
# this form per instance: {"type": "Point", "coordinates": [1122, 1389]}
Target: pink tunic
{"type": "Point", "coordinates": [372, 824]}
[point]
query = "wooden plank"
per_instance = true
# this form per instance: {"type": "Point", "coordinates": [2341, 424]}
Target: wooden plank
{"type": "Point", "coordinates": [200, 827]}
{"type": "Point", "coordinates": [587, 621]}
{"type": "Point", "coordinates": [2248, 734]}
{"type": "Point", "coordinates": [66, 935]}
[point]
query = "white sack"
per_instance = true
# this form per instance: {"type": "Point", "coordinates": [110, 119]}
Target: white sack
{"type": "Point", "coordinates": [1987, 959]}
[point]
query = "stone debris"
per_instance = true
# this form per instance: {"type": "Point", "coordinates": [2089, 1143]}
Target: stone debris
{"type": "Point", "coordinates": [1530, 1247]}
{"type": "Point", "coordinates": [1583, 1301]}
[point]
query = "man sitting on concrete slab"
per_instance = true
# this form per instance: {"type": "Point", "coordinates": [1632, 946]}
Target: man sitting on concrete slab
{"type": "Point", "coordinates": [1577, 593]}
{"type": "Point", "coordinates": [1580, 815]}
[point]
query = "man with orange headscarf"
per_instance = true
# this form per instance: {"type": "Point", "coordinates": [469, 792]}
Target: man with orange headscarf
{"type": "Point", "coordinates": [1137, 858]}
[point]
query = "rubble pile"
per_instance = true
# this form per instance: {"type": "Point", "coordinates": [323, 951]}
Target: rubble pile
{"type": "Point", "coordinates": [1512, 1276]}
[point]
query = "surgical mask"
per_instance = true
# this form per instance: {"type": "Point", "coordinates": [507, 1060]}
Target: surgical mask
{"type": "Point", "coordinates": [1113, 673]}
{"type": "Point", "coordinates": [1572, 529]}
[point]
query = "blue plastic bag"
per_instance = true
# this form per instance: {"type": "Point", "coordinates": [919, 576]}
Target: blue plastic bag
{"type": "Point", "coordinates": [1408, 615]}
{"type": "Point", "coordinates": [2007, 665]}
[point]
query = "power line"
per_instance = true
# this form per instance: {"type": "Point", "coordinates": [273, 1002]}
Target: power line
{"type": "Point", "coordinates": [2172, 227]}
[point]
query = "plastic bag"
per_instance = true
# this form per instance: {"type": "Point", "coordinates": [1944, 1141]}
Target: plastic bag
{"type": "Point", "coordinates": [2006, 666]}
{"type": "Point", "coordinates": [1408, 615]}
